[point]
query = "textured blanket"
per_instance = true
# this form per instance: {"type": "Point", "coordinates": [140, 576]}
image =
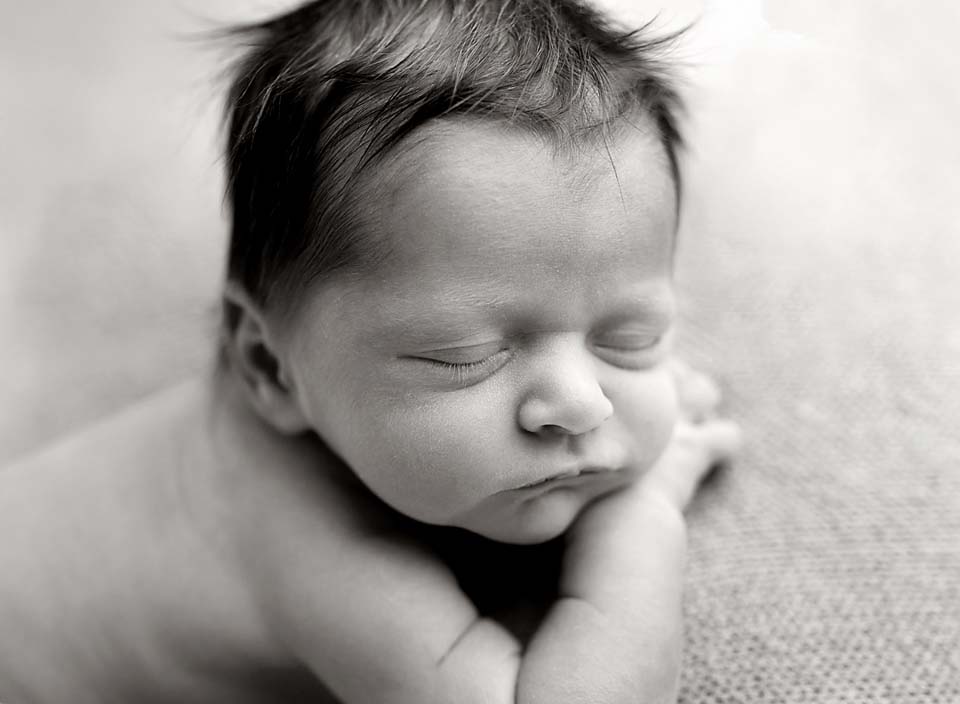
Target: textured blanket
{"type": "Point", "coordinates": [822, 270]}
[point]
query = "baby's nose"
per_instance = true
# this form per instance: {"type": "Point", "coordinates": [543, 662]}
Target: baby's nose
{"type": "Point", "coordinates": [566, 398]}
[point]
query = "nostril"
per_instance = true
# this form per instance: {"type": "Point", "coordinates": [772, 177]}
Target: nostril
{"type": "Point", "coordinates": [547, 430]}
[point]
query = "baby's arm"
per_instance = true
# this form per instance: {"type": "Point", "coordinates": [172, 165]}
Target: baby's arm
{"type": "Point", "coordinates": [402, 631]}
{"type": "Point", "coordinates": [615, 634]}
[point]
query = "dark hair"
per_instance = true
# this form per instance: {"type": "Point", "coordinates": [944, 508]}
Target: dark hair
{"type": "Point", "coordinates": [326, 91]}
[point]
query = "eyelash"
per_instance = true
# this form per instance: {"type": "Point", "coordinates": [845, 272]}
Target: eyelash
{"type": "Point", "coordinates": [458, 368]}
{"type": "Point", "coordinates": [462, 371]}
{"type": "Point", "coordinates": [653, 342]}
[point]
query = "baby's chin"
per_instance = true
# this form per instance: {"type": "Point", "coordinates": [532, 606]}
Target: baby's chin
{"type": "Point", "coordinates": [534, 521]}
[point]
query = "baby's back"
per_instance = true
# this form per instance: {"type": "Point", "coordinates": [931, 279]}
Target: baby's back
{"type": "Point", "coordinates": [108, 590]}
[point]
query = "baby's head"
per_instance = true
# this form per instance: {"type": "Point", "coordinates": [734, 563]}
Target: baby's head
{"type": "Point", "coordinates": [451, 252]}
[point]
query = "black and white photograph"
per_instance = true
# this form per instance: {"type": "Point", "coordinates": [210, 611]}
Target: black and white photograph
{"type": "Point", "coordinates": [479, 352]}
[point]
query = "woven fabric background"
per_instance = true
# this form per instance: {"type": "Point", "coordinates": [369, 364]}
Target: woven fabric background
{"type": "Point", "coordinates": [819, 268]}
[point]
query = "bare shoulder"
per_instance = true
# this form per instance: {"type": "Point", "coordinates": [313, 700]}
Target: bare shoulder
{"type": "Point", "coordinates": [98, 546]}
{"type": "Point", "coordinates": [102, 462]}
{"type": "Point", "coordinates": [121, 473]}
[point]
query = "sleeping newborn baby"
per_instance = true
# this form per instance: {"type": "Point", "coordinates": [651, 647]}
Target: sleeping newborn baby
{"type": "Point", "coordinates": [448, 311]}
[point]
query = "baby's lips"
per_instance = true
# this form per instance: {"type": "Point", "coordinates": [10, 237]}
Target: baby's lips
{"type": "Point", "coordinates": [570, 474]}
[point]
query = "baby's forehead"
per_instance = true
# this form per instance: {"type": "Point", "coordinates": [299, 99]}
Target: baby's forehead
{"type": "Point", "coordinates": [493, 196]}
{"type": "Point", "coordinates": [472, 153]}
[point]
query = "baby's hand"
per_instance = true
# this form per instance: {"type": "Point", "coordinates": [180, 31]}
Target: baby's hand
{"type": "Point", "coordinates": [701, 440]}
{"type": "Point", "coordinates": [626, 553]}
{"type": "Point", "coordinates": [698, 395]}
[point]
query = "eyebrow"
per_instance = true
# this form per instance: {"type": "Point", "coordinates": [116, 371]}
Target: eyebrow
{"type": "Point", "coordinates": [458, 307]}
{"type": "Point", "coordinates": [446, 328]}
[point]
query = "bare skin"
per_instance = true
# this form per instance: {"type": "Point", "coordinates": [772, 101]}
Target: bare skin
{"type": "Point", "coordinates": [503, 374]}
{"type": "Point", "coordinates": [185, 552]}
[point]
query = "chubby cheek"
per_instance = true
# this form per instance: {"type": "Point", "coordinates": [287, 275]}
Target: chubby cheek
{"type": "Point", "coordinates": [434, 459]}
{"type": "Point", "coordinates": [647, 410]}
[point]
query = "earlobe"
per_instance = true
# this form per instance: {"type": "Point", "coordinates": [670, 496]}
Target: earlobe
{"type": "Point", "coordinates": [253, 359]}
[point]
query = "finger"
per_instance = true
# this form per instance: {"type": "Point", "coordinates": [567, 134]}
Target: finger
{"type": "Point", "coordinates": [720, 439]}
{"type": "Point", "coordinates": [698, 395]}
{"type": "Point", "coordinates": [692, 453]}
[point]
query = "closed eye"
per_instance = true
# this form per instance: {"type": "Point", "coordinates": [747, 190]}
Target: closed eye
{"type": "Point", "coordinates": [633, 349]}
{"type": "Point", "coordinates": [629, 341]}
{"type": "Point", "coordinates": [466, 365]}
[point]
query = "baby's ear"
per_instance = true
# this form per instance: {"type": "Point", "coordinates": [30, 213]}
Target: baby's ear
{"type": "Point", "coordinates": [252, 357]}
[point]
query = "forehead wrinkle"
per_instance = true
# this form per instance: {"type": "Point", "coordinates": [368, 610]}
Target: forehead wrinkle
{"type": "Point", "coordinates": [434, 148]}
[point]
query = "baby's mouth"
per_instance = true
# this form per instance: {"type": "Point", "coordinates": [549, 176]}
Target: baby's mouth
{"type": "Point", "coordinates": [566, 477]}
